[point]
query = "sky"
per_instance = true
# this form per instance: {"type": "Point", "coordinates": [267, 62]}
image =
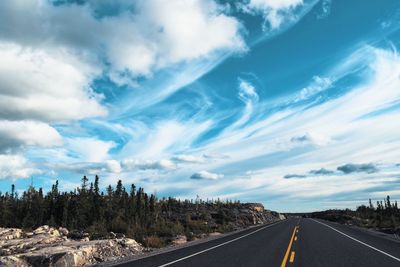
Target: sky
{"type": "Point", "coordinates": [291, 103]}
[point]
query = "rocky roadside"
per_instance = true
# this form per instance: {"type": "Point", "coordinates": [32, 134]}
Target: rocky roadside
{"type": "Point", "coordinates": [47, 246]}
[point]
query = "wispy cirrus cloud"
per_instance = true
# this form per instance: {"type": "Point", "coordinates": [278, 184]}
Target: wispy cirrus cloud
{"type": "Point", "coordinates": [158, 92]}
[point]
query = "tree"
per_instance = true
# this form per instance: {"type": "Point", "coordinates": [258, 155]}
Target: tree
{"type": "Point", "coordinates": [84, 183]}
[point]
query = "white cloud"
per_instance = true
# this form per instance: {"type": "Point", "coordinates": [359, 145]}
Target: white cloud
{"type": "Point", "coordinates": [47, 86]}
{"type": "Point", "coordinates": [326, 135]}
{"type": "Point", "coordinates": [275, 12]}
{"type": "Point", "coordinates": [312, 138]}
{"type": "Point", "coordinates": [205, 175]}
{"type": "Point", "coordinates": [247, 90]}
{"type": "Point", "coordinates": [114, 166]}
{"type": "Point", "coordinates": [89, 168]}
{"type": "Point", "coordinates": [188, 159]}
{"type": "Point", "coordinates": [162, 165]}
{"type": "Point", "coordinates": [89, 149]}
{"type": "Point", "coordinates": [16, 166]}
{"type": "Point", "coordinates": [192, 29]}
{"type": "Point", "coordinates": [17, 134]}
{"type": "Point", "coordinates": [318, 85]}
{"type": "Point", "coordinates": [156, 35]}
{"type": "Point", "coordinates": [164, 139]}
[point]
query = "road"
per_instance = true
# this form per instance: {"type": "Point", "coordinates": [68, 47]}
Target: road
{"type": "Point", "coordinates": [293, 242]}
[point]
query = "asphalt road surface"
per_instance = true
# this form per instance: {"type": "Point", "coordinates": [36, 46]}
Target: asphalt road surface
{"type": "Point", "coordinates": [293, 242]}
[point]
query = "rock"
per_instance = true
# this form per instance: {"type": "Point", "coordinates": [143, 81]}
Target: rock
{"type": "Point", "coordinates": [10, 233]}
{"type": "Point", "coordinates": [112, 235]}
{"type": "Point", "coordinates": [29, 234]}
{"type": "Point", "coordinates": [129, 242]}
{"type": "Point", "coordinates": [215, 234]}
{"type": "Point", "coordinates": [12, 261]}
{"type": "Point", "coordinates": [41, 230]}
{"type": "Point", "coordinates": [54, 232]}
{"type": "Point", "coordinates": [63, 231]}
{"type": "Point", "coordinates": [119, 235]}
{"type": "Point", "coordinates": [179, 240]}
{"type": "Point", "coordinates": [77, 235]}
{"type": "Point", "coordinates": [47, 246]}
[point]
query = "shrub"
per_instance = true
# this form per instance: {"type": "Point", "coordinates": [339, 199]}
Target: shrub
{"type": "Point", "coordinates": [154, 242]}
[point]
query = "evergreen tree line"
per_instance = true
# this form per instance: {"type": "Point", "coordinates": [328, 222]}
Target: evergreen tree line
{"type": "Point", "coordinates": [131, 211]}
{"type": "Point", "coordinates": [384, 214]}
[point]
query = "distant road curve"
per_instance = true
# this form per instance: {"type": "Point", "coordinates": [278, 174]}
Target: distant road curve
{"type": "Point", "coordinates": [293, 242]}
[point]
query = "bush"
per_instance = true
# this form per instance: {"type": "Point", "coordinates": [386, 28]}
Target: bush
{"type": "Point", "coordinates": [97, 231]}
{"type": "Point", "coordinates": [154, 242]}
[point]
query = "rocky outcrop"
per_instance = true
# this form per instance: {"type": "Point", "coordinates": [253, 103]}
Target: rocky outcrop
{"type": "Point", "coordinates": [47, 246]}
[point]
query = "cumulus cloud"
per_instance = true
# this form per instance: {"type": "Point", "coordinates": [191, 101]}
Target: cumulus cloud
{"type": "Point", "coordinates": [48, 86]}
{"type": "Point", "coordinates": [143, 37]}
{"type": "Point", "coordinates": [161, 165]}
{"type": "Point", "coordinates": [351, 168]}
{"type": "Point", "coordinates": [205, 175]}
{"type": "Point", "coordinates": [322, 171]}
{"type": "Point", "coordinates": [18, 134]}
{"type": "Point", "coordinates": [16, 166]}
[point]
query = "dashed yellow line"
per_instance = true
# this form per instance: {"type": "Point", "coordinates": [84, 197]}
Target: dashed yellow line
{"type": "Point", "coordinates": [291, 260]}
{"type": "Point", "coordinates": [285, 258]}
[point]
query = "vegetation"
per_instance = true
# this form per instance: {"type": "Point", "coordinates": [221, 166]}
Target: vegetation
{"type": "Point", "coordinates": [132, 212]}
{"type": "Point", "coordinates": [385, 216]}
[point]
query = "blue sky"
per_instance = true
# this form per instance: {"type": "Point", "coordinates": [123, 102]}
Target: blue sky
{"type": "Point", "coordinates": [292, 103]}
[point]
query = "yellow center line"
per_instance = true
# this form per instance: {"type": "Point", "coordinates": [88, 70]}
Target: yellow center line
{"type": "Point", "coordinates": [292, 257]}
{"type": "Point", "coordinates": [288, 249]}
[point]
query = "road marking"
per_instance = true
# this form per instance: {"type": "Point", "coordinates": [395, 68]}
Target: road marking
{"type": "Point", "coordinates": [291, 257]}
{"type": "Point", "coordinates": [214, 247]}
{"type": "Point", "coordinates": [365, 244]}
{"type": "Point", "coordinates": [288, 249]}
{"type": "Point", "coordinates": [295, 238]}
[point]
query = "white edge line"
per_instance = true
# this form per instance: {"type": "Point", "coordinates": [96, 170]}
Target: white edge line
{"type": "Point", "coordinates": [219, 245]}
{"type": "Point", "coordinates": [365, 244]}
